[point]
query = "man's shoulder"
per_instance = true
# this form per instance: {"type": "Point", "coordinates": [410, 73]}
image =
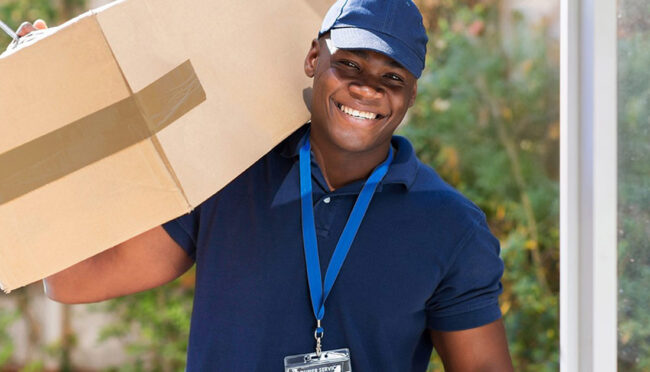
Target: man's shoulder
{"type": "Point", "coordinates": [263, 177]}
{"type": "Point", "coordinates": [288, 147]}
{"type": "Point", "coordinates": [431, 193]}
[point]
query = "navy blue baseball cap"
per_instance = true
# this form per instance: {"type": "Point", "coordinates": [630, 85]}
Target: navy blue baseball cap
{"type": "Point", "coordinates": [390, 27]}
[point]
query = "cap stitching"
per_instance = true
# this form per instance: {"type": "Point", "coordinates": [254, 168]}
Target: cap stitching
{"type": "Point", "coordinates": [340, 12]}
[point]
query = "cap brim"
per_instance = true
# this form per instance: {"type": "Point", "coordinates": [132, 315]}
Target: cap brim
{"type": "Point", "coordinates": [359, 38]}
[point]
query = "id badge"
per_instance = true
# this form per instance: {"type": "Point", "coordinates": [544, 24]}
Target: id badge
{"type": "Point", "coordinates": [328, 361]}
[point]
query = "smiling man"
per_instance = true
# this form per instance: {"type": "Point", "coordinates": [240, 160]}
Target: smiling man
{"type": "Point", "coordinates": [360, 97]}
{"type": "Point", "coordinates": [337, 249]}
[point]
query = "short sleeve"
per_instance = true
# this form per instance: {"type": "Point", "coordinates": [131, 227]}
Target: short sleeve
{"type": "Point", "coordinates": [184, 230]}
{"type": "Point", "coordinates": [467, 296]}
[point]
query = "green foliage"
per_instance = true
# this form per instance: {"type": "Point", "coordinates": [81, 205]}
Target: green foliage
{"type": "Point", "coordinates": [154, 326]}
{"type": "Point", "coordinates": [14, 12]}
{"type": "Point", "coordinates": [486, 119]}
{"type": "Point", "coordinates": [19, 309]}
{"type": "Point", "coordinates": [34, 366]}
{"type": "Point", "coordinates": [634, 186]}
{"type": "Point", "coordinates": [7, 317]}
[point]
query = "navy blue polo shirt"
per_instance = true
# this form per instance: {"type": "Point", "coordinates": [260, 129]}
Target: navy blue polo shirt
{"type": "Point", "coordinates": [423, 258]}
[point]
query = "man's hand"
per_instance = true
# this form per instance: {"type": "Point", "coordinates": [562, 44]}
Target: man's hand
{"type": "Point", "coordinates": [27, 27]}
{"type": "Point", "coordinates": [481, 349]}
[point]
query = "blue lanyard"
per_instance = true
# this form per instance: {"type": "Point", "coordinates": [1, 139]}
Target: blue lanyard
{"type": "Point", "coordinates": [318, 291]}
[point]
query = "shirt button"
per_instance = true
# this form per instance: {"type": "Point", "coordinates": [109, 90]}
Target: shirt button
{"type": "Point", "coordinates": [327, 200]}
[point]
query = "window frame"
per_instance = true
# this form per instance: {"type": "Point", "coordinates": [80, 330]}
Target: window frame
{"type": "Point", "coordinates": [588, 186]}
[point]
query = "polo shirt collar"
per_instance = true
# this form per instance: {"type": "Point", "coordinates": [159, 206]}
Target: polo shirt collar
{"type": "Point", "coordinates": [403, 169]}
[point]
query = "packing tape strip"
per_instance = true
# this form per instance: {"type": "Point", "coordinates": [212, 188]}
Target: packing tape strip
{"type": "Point", "coordinates": [100, 134]}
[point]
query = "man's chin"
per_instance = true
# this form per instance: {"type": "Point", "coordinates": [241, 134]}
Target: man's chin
{"type": "Point", "coordinates": [345, 137]}
{"type": "Point", "coordinates": [353, 142]}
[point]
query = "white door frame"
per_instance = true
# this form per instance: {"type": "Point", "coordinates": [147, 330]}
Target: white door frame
{"type": "Point", "coordinates": [588, 186]}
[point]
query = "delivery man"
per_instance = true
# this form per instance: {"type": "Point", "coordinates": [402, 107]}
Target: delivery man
{"type": "Point", "coordinates": [339, 243]}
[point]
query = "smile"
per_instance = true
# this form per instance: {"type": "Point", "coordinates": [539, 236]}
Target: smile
{"type": "Point", "coordinates": [358, 114]}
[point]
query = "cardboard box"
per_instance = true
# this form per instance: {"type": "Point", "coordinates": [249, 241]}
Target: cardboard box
{"type": "Point", "coordinates": [133, 114]}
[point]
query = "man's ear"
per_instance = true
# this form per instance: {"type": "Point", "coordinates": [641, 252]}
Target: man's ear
{"type": "Point", "coordinates": [414, 93]}
{"type": "Point", "coordinates": [311, 61]}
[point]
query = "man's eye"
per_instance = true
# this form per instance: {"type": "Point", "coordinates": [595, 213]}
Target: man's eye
{"type": "Point", "coordinates": [349, 64]}
{"type": "Point", "coordinates": [394, 77]}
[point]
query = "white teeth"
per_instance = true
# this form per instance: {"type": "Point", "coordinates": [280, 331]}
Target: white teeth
{"type": "Point", "coordinates": [357, 113]}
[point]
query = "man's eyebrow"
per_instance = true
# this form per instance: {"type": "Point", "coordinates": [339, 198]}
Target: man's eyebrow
{"type": "Point", "coordinates": [364, 54]}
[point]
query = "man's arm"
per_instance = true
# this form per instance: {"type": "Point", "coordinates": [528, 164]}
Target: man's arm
{"type": "Point", "coordinates": [146, 261]}
{"type": "Point", "coordinates": [481, 349]}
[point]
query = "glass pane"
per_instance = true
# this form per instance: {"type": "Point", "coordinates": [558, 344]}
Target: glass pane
{"type": "Point", "coordinates": [634, 185]}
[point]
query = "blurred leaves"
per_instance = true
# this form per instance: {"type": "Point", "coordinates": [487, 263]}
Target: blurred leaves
{"type": "Point", "coordinates": [486, 119]}
{"type": "Point", "coordinates": [15, 12]}
{"type": "Point", "coordinates": [7, 317]}
{"type": "Point", "coordinates": [154, 325]}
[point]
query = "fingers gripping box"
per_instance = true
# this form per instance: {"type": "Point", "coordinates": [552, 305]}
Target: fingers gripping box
{"type": "Point", "coordinates": [133, 114]}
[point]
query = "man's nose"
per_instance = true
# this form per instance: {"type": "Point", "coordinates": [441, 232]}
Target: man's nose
{"type": "Point", "coordinates": [365, 90]}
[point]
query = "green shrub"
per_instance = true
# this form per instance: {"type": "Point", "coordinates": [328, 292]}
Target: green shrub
{"type": "Point", "coordinates": [487, 119]}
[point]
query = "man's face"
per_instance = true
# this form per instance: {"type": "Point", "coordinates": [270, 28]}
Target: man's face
{"type": "Point", "coordinates": [359, 96]}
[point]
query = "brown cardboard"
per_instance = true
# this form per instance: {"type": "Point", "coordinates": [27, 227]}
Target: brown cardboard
{"type": "Point", "coordinates": [135, 113]}
{"type": "Point", "coordinates": [98, 135]}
